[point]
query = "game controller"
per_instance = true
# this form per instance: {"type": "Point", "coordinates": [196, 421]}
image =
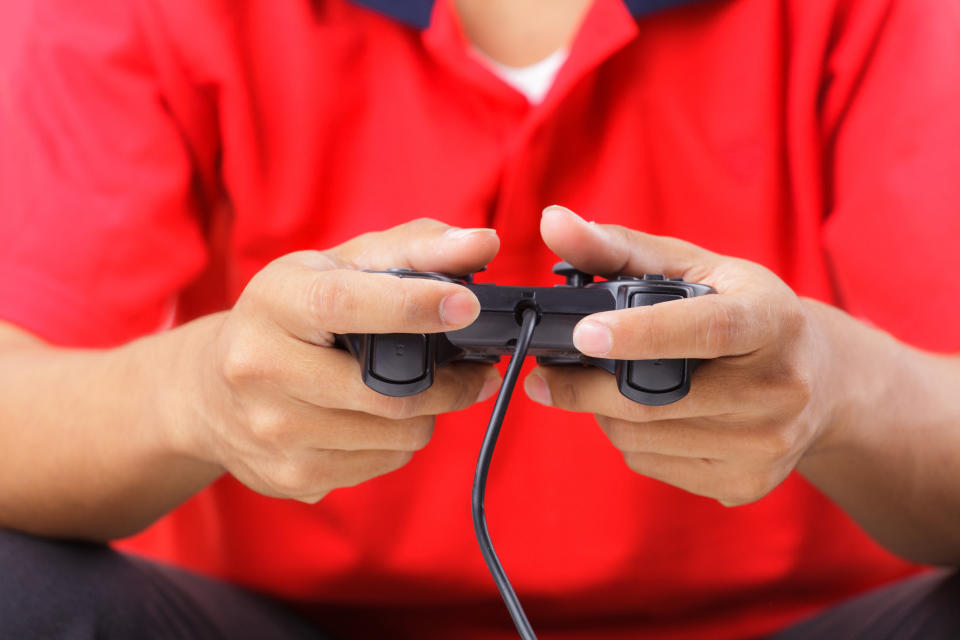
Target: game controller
{"type": "Point", "coordinates": [399, 364]}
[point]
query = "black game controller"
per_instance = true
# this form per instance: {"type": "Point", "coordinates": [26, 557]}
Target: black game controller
{"type": "Point", "coordinates": [402, 364]}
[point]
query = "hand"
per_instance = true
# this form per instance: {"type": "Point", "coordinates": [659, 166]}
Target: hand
{"type": "Point", "coordinates": [287, 414]}
{"type": "Point", "coordinates": [755, 407]}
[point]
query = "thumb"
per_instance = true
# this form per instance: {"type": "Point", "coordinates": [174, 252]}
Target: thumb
{"type": "Point", "coordinates": [421, 245]}
{"type": "Point", "coordinates": [611, 250]}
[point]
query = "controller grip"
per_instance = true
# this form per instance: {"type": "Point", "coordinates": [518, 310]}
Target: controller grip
{"type": "Point", "coordinates": [394, 364]}
{"type": "Point", "coordinates": [650, 382]}
{"type": "Point", "coordinates": [654, 382]}
{"type": "Point", "coordinates": [403, 364]}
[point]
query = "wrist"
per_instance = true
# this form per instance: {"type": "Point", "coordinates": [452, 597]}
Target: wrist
{"type": "Point", "coordinates": [856, 375]}
{"type": "Point", "coordinates": [183, 390]}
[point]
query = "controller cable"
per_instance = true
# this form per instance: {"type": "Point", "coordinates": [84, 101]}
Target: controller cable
{"type": "Point", "coordinates": [529, 323]}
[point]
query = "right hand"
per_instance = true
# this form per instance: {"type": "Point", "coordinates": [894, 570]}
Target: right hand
{"type": "Point", "coordinates": [286, 413]}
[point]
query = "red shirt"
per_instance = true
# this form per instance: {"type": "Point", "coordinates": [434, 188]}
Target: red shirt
{"type": "Point", "coordinates": [157, 154]}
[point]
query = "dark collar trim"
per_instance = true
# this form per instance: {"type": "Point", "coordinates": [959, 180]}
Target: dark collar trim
{"type": "Point", "coordinates": [416, 13]}
{"type": "Point", "coordinates": [640, 8]}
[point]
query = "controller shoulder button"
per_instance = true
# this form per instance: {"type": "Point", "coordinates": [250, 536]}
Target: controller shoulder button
{"type": "Point", "coordinates": [653, 276]}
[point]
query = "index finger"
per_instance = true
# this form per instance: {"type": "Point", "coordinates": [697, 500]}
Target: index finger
{"type": "Point", "coordinates": [703, 327]}
{"type": "Point", "coordinates": [312, 304]}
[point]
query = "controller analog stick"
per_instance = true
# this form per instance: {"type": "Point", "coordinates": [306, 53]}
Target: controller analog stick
{"type": "Point", "coordinates": [573, 276]}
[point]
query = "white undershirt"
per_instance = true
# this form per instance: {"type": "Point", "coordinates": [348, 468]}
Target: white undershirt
{"type": "Point", "coordinates": [533, 81]}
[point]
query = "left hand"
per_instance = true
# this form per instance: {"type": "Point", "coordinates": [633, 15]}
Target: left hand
{"type": "Point", "coordinates": [758, 402]}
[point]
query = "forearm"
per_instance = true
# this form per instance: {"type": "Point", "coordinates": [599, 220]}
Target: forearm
{"type": "Point", "coordinates": [891, 454]}
{"type": "Point", "coordinates": [94, 444]}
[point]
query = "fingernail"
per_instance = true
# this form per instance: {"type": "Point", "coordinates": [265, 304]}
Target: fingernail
{"type": "Point", "coordinates": [592, 338]}
{"type": "Point", "coordinates": [556, 208]}
{"type": "Point", "coordinates": [458, 233]}
{"type": "Point", "coordinates": [490, 387]}
{"type": "Point", "coordinates": [537, 389]}
{"type": "Point", "coordinates": [458, 308]}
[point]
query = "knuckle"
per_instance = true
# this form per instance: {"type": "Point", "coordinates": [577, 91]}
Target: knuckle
{"type": "Point", "coordinates": [417, 436]}
{"type": "Point", "coordinates": [722, 329]}
{"type": "Point", "coordinates": [790, 385]}
{"type": "Point", "coordinates": [643, 334]}
{"type": "Point", "coordinates": [384, 462]}
{"type": "Point", "coordinates": [745, 488]}
{"type": "Point", "coordinates": [241, 363]}
{"type": "Point", "coordinates": [294, 479]}
{"type": "Point", "coordinates": [621, 434]}
{"type": "Point", "coordinates": [635, 461]}
{"type": "Point", "coordinates": [459, 385]}
{"type": "Point", "coordinates": [801, 388]}
{"type": "Point", "coordinates": [564, 393]}
{"type": "Point", "coordinates": [638, 413]}
{"type": "Point", "coordinates": [400, 408]}
{"type": "Point", "coordinates": [465, 394]}
{"type": "Point", "coordinates": [407, 303]}
{"type": "Point", "coordinates": [775, 443]}
{"type": "Point", "coordinates": [329, 297]}
{"type": "Point", "coordinates": [397, 459]}
{"type": "Point", "coordinates": [313, 498]}
{"type": "Point", "coordinates": [313, 259]}
{"type": "Point", "coordinates": [268, 424]}
{"type": "Point", "coordinates": [793, 322]}
{"type": "Point", "coordinates": [420, 228]}
{"type": "Point", "coordinates": [424, 223]}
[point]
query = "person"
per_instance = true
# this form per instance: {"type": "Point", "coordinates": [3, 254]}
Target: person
{"type": "Point", "coordinates": [191, 192]}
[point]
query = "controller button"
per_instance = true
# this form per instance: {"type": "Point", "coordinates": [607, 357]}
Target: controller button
{"type": "Point", "coordinates": [398, 357]}
{"type": "Point", "coordinates": [652, 276]}
{"type": "Point", "coordinates": [655, 376]}
{"type": "Point", "coordinates": [574, 277]}
{"type": "Point", "coordinates": [675, 279]}
{"type": "Point", "coordinates": [641, 299]}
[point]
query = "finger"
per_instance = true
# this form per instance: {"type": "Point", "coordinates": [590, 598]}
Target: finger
{"type": "Point", "coordinates": [730, 484]}
{"type": "Point", "coordinates": [421, 245]}
{"type": "Point", "coordinates": [702, 327]}
{"type": "Point", "coordinates": [611, 250]}
{"type": "Point", "coordinates": [753, 442]}
{"type": "Point", "coordinates": [455, 387]}
{"type": "Point", "coordinates": [311, 304]}
{"type": "Point", "coordinates": [680, 438]}
{"type": "Point", "coordinates": [694, 475]}
{"type": "Point", "coordinates": [716, 390]}
{"type": "Point", "coordinates": [331, 378]}
{"type": "Point", "coordinates": [356, 431]}
{"type": "Point", "coordinates": [297, 426]}
{"type": "Point", "coordinates": [310, 475]}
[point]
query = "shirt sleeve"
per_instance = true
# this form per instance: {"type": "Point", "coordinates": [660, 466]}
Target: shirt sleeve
{"type": "Point", "coordinates": [99, 219]}
{"type": "Point", "coordinates": [891, 110]}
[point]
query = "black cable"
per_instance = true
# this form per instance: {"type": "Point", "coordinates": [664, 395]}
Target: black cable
{"type": "Point", "coordinates": [480, 478]}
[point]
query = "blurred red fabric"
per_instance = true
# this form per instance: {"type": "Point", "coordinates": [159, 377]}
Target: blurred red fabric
{"type": "Point", "coordinates": [13, 21]}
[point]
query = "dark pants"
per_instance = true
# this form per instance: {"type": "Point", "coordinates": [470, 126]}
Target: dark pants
{"type": "Point", "coordinates": [74, 591]}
